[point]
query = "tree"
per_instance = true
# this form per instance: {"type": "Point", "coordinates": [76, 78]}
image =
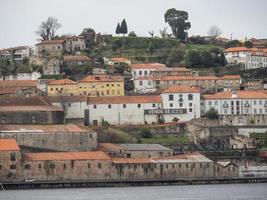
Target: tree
{"type": "Point", "coordinates": [176, 57]}
{"type": "Point", "coordinates": [193, 58]}
{"type": "Point", "coordinates": [248, 44]}
{"type": "Point", "coordinates": [123, 29]}
{"type": "Point", "coordinates": [212, 113]}
{"type": "Point", "coordinates": [132, 34]}
{"type": "Point", "coordinates": [118, 29]}
{"type": "Point", "coordinates": [151, 47]}
{"type": "Point", "coordinates": [214, 32]}
{"type": "Point", "coordinates": [163, 32]}
{"type": "Point", "coordinates": [47, 29]}
{"type": "Point", "coordinates": [233, 43]}
{"type": "Point", "coordinates": [177, 20]}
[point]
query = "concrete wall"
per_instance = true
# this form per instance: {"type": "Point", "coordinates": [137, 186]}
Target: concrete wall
{"type": "Point", "coordinates": [84, 141]}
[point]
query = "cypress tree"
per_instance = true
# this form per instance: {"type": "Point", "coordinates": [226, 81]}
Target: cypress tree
{"type": "Point", "coordinates": [118, 29]}
{"type": "Point", "coordinates": [124, 29]}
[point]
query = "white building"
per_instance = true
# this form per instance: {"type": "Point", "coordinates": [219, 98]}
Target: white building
{"type": "Point", "coordinates": [251, 58]}
{"type": "Point", "coordinates": [16, 54]}
{"type": "Point", "coordinates": [144, 84]}
{"type": "Point", "coordinates": [144, 69]}
{"type": "Point", "coordinates": [175, 103]}
{"type": "Point", "coordinates": [236, 103]}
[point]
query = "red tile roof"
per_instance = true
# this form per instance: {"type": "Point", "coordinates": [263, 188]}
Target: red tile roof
{"type": "Point", "coordinates": [76, 58]}
{"type": "Point", "coordinates": [59, 99]}
{"type": "Point", "coordinates": [62, 82]}
{"type": "Point", "coordinates": [181, 89]}
{"type": "Point", "coordinates": [231, 77]}
{"type": "Point", "coordinates": [174, 69]}
{"type": "Point", "coordinates": [119, 59]}
{"type": "Point", "coordinates": [124, 100]}
{"type": "Point", "coordinates": [237, 49]}
{"type": "Point", "coordinates": [8, 145]}
{"type": "Point", "coordinates": [29, 108]}
{"type": "Point", "coordinates": [148, 66]}
{"type": "Point", "coordinates": [246, 94]}
{"type": "Point", "coordinates": [131, 160]}
{"type": "Point", "coordinates": [8, 90]}
{"type": "Point", "coordinates": [90, 155]}
{"type": "Point", "coordinates": [50, 42]}
{"type": "Point", "coordinates": [102, 78]}
{"type": "Point", "coordinates": [18, 83]}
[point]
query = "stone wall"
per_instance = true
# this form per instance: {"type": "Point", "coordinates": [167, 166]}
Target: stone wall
{"type": "Point", "coordinates": [10, 165]}
{"type": "Point", "coordinates": [84, 141]}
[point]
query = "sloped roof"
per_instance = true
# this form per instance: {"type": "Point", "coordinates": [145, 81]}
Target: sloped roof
{"type": "Point", "coordinates": [181, 89]}
{"type": "Point", "coordinates": [124, 99]}
{"type": "Point", "coordinates": [90, 155]}
{"type": "Point", "coordinates": [119, 59]}
{"type": "Point", "coordinates": [8, 145]}
{"type": "Point", "coordinates": [76, 58]}
{"type": "Point", "coordinates": [59, 99]}
{"type": "Point", "coordinates": [102, 78]}
{"type": "Point", "coordinates": [62, 82]}
{"type": "Point", "coordinates": [18, 83]}
{"type": "Point", "coordinates": [148, 66]}
{"type": "Point", "coordinates": [244, 94]}
{"type": "Point", "coordinates": [50, 42]}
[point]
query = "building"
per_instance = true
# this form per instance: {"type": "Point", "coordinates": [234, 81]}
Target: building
{"type": "Point", "coordinates": [175, 103]}
{"type": "Point", "coordinates": [181, 102]}
{"type": "Point", "coordinates": [10, 159]}
{"type": "Point", "coordinates": [116, 61]}
{"type": "Point", "coordinates": [48, 48]}
{"type": "Point", "coordinates": [51, 66]}
{"type": "Point", "coordinates": [62, 87]}
{"type": "Point", "coordinates": [67, 166]}
{"type": "Point", "coordinates": [16, 54]}
{"type": "Point", "coordinates": [75, 60]}
{"type": "Point", "coordinates": [144, 69]}
{"type": "Point", "coordinates": [172, 71]}
{"type": "Point", "coordinates": [29, 110]}
{"type": "Point", "coordinates": [239, 107]}
{"type": "Point", "coordinates": [22, 76]}
{"type": "Point", "coordinates": [135, 150]}
{"type": "Point", "coordinates": [54, 137]}
{"type": "Point", "coordinates": [206, 83]}
{"type": "Point", "coordinates": [74, 45]}
{"type": "Point", "coordinates": [102, 85]}
{"type": "Point", "coordinates": [258, 43]}
{"type": "Point", "coordinates": [250, 58]}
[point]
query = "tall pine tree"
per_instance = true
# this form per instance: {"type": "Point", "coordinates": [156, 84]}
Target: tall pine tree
{"type": "Point", "coordinates": [124, 29]}
{"type": "Point", "coordinates": [118, 29]}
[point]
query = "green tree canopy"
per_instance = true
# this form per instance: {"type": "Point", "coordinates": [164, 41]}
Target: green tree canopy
{"type": "Point", "coordinates": [118, 29]}
{"type": "Point", "coordinates": [212, 113]}
{"type": "Point", "coordinates": [248, 44]}
{"type": "Point", "coordinates": [123, 29]}
{"type": "Point", "coordinates": [177, 20]}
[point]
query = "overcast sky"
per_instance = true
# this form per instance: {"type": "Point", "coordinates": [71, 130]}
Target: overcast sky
{"type": "Point", "coordinates": [19, 19]}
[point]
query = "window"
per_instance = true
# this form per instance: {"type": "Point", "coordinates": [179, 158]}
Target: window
{"type": "Point", "coordinates": [190, 104]}
{"type": "Point", "coordinates": [13, 166]}
{"type": "Point", "coordinates": [89, 165]}
{"type": "Point", "coordinates": [190, 97]}
{"type": "Point", "coordinates": [170, 97]}
{"type": "Point", "coordinates": [99, 166]}
{"type": "Point", "coordinates": [140, 83]}
{"type": "Point", "coordinates": [124, 105]}
{"type": "Point", "coordinates": [13, 156]}
{"type": "Point", "coordinates": [145, 72]}
{"type": "Point", "coordinates": [139, 105]}
{"type": "Point", "coordinates": [190, 110]}
{"type": "Point", "coordinates": [27, 167]}
{"type": "Point", "coordinates": [181, 104]}
{"type": "Point", "coordinates": [225, 111]}
{"type": "Point", "coordinates": [153, 105]}
{"type": "Point", "coordinates": [210, 103]}
{"type": "Point", "coordinates": [94, 106]}
{"type": "Point", "coordinates": [1, 167]}
{"type": "Point", "coordinates": [64, 166]}
{"type": "Point", "coordinates": [216, 103]}
{"type": "Point", "coordinates": [109, 106]}
{"type": "Point", "coordinates": [140, 72]}
{"type": "Point", "coordinates": [255, 102]}
{"type": "Point", "coordinates": [171, 105]}
{"type": "Point", "coordinates": [39, 166]}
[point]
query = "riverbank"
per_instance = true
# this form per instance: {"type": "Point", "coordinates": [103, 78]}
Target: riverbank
{"type": "Point", "coordinates": [127, 183]}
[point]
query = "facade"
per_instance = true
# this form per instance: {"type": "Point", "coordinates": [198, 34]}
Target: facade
{"type": "Point", "coordinates": [48, 48]}
{"type": "Point", "coordinates": [62, 87]}
{"type": "Point", "coordinates": [52, 66]}
{"type": "Point", "coordinates": [74, 45]}
{"type": "Point", "coordinates": [174, 103]}
{"type": "Point", "coordinates": [75, 60]}
{"type": "Point", "coordinates": [250, 58]}
{"type": "Point", "coordinates": [10, 159]}
{"type": "Point", "coordinates": [239, 108]}
{"type": "Point", "coordinates": [206, 83]}
{"type": "Point", "coordinates": [135, 150]}
{"type": "Point", "coordinates": [172, 71]}
{"type": "Point", "coordinates": [22, 76]}
{"type": "Point", "coordinates": [29, 110]}
{"type": "Point", "coordinates": [144, 69]}
{"type": "Point", "coordinates": [15, 54]}
{"type": "Point", "coordinates": [55, 137]}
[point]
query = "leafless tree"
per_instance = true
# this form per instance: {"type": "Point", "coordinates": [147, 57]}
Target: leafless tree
{"type": "Point", "coordinates": [163, 32]}
{"type": "Point", "coordinates": [151, 33]}
{"type": "Point", "coordinates": [47, 29]}
{"type": "Point", "coordinates": [214, 32]}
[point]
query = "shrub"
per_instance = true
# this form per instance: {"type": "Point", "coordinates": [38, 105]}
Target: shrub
{"type": "Point", "coordinates": [212, 113]}
{"type": "Point", "coordinates": [145, 133]}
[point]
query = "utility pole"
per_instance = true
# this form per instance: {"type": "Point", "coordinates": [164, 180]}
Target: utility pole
{"type": "Point", "coordinates": [232, 36]}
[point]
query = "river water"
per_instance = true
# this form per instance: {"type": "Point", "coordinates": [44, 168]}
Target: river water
{"type": "Point", "coordinates": [187, 192]}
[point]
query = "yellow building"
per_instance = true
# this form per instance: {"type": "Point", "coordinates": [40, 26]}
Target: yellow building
{"type": "Point", "coordinates": [93, 85]}
{"type": "Point", "coordinates": [63, 87]}
{"type": "Point", "coordinates": [102, 85]}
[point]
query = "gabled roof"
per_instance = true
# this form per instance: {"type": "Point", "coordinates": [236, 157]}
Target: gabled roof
{"type": "Point", "coordinates": [8, 145]}
{"type": "Point", "coordinates": [50, 42]}
{"type": "Point", "coordinates": [90, 155]}
{"type": "Point", "coordinates": [131, 160]}
{"type": "Point", "coordinates": [231, 77]}
{"type": "Point", "coordinates": [237, 49]}
{"type": "Point", "coordinates": [64, 99]}
{"type": "Point", "coordinates": [62, 82]}
{"type": "Point", "coordinates": [244, 94]}
{"type": "Point", "coordinates": [124, 99]}
{"type": "Point", "coordinates": [148, 66]}
{"type": "Point", "coordinates": [18, 83]}
{"type": "Point", "coordinates": [102, 78]}
{"type": "Point", "coordinates": [173, 69]}
{"type": "Point", "coordinates": [184, 158]}
{"type": "Point", "coordinates": [181, 89]}
{"type": "Point", "coordinates": [119, 59]}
